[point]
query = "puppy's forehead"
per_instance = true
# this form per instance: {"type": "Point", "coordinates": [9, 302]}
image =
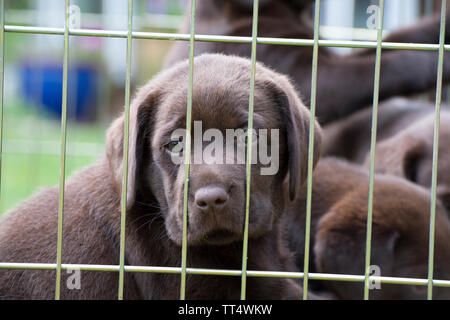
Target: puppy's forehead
{"type": "Point", "coordinates": [220, 99]}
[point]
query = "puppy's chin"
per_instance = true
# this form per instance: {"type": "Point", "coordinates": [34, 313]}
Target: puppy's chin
{"type": "Point", "coordinates": [213, 232]}
{"type": "Point", "coordinates": [216, 237]}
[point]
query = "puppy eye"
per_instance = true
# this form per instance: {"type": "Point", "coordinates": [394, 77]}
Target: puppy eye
{"type": "Point", "coordinates": [243, 137]}
{"type": "Point", "coordinates": [174, 146]}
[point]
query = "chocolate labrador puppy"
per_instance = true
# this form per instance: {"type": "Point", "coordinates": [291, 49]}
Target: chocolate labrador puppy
{"type": "Point", "coordinates": [344, 83]}
{"type": "Point", "coordinates": [216, 195]}
{"type": "Point", "coordinates": [350, 138]}
{"type": "Point", "coordinates": [400, 231]}
{"type": "Point", "coordinates": [405, 132]}
{"type": "Point", "coordinates": [409, 154]}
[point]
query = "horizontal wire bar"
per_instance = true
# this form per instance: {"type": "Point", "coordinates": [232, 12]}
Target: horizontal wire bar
{"type": "Point", "coordinates": [223, 272]}
{"type": "Point", "coordinates": [218, 38]}
{"type": "Point", "coordinates": [172, 22]}
{"type": "Point", "coordinates": [145, 20]}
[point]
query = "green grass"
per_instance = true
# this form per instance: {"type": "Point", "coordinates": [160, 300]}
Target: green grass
{"type": "Point", "coordinates": [22, 175]}
{"type": "Point", "coordinates": [31, 151]}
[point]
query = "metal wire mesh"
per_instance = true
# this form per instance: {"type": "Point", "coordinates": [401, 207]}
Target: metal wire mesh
{"type": "Point", "coordinates": [129, 34]}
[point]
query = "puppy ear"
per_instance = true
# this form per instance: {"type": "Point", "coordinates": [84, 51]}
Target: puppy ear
{"type": "Point", "coordinates": [140, 124]}
{"type": "Point", "coordinates": [399, 155]}
{"type": "Point", "coordinates": [411, 161]}
{"type": "Point", "coordinates": [345, 223]}
{"type": "Point", "coordinates": [296, 118]}
{"type": "Point", "coordinates": [443, 193]}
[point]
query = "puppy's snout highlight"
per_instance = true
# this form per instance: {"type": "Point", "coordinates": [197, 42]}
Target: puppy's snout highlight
{"type": "Point", "coordinates": [211, 198]}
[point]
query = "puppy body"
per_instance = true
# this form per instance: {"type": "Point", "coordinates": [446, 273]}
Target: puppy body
{"type": "Point", "coordinates": [399, 235]}
{"type": "Point", "coordinates": [92, 234]}
{"type": "Point", "coordinates": [345, 83]}
{"type": "Point", "coordinates": [350, 138]}
{"type": "Point", "coordinates": [409, 153]}
{"type": "Point", "coordinates": [155, 197]}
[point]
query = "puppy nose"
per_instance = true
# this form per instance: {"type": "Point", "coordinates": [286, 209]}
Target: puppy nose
{"type": "Point", "coordinates": [211, 197]}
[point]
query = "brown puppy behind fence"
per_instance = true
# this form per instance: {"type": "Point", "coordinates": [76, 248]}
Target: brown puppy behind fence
{"type": "Point", "coordinates": [400, 232]}
{"type": "Point", "coordinates": [344, 82]}
{"type": "Point", "coordinates": [350, 138]}
{"type": "Point", "coordinates": [216, 203]}
{"type": "Point", "coordinates": [409, 154]}
{"type": "Point", "coordinates": [405, 134]}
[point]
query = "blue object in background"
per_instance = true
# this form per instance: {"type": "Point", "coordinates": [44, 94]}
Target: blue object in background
{"type": "Point", "coordinates": [42, 84]}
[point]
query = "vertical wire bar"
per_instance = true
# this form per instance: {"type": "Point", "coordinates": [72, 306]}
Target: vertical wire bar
{"type": "Point", "coordinates": [188, 152]}
{"type": "Point", "coordinates": [125, 152]}
{"type": "Point", "coordinates": [249, 149]}
{"type": "Point", "coordinates": [436, 152]}
{"type": "Point", "coordinates": [311, 146]}
{"type": "Point", "coordinates": [62, 170]}
{"type": "Point", "coordinates": [2, 79]}
{"type": "Point", "coordinates": [372, 149]}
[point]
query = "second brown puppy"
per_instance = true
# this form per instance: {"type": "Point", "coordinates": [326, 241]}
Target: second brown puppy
{"type": "Point", "coordinates": [400, 231]}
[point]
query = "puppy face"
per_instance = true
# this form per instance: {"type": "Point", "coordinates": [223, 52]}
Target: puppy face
{"type": "Point", "coordinates": [409, 154]}
{"type": "Point", "coordinates": [217, 178]}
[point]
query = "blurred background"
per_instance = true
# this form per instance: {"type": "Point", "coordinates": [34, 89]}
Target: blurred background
{"type": "Point", "coordinates": [97, 67]}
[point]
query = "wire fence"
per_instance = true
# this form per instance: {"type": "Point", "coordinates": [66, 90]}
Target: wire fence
{"type": "Point", "coordinates": [254, 40]}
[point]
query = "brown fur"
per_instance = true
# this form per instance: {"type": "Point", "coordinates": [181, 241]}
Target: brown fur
{"type": "Point", "coordinates": [400, 231]}
{"type": "Point", "coordinates": [409, 154]}
{"type": "Point", "coordinates": [345, 83]}
{"type": "Point", "coordinates": [350, 138]}
{"type": "Point", "coordinates": [155, 197]}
